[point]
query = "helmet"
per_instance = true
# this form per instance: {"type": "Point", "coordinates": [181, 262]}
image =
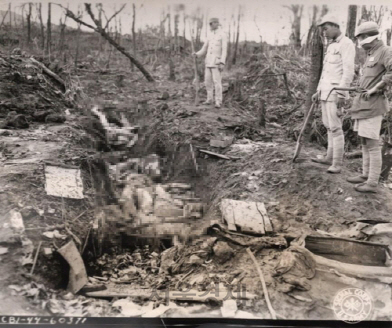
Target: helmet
{"type": "Point", "coordinates": [367, 27]}
{"type": "Point", "coordinates": [329, 19]}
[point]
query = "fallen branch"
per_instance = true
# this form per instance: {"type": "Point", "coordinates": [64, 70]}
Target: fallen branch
{"type": "Point", "coordinates": [35, 258]}
{"type": "Point", "coordinates": [382, 274]}
{"type": "Point", "coordinates": [47, 71]}
{"type": "Point", "coordinates": [265, 290]}
{"type": "Point", "coordinates": [215, 154]}
{"type": "Point", "coordinates": [73, 235]}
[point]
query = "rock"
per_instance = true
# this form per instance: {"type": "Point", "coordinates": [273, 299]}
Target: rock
{"type": "Point", "coordinates": [28, 212]}
{"type": "Point", "coordinates": [16, 121]}
{"type": "Point", "coordinates": [223, 252]}
{"type": "Point", "coordinates": [5, 133]}
{"type": "Point", "coordinates": [164, 96]}
{"type": "Point", "coordinates": [144, 201]}
{"type": "Point", "coordinates": [41, 115]}
{"type": "Point", "coordinates": [194, 259]}
{"type": "Point", "coordinates": [3, 250]}
{"type": "Point", "coordinates": [164, 106]}
{"type": "Point", "coordinates": [229, 308]}
{"type": "Point", "coordinates": [47, 251]}
{"type": "Point", "coordinates": [16, 52]}
{"type": "Point", "coordinates": [11, 227]}
{"type": "Point", "coordinates": [55, 118]}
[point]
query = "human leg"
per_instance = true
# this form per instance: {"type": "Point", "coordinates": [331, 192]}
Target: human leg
{"type": "Point", "coordinates": [217, 78]}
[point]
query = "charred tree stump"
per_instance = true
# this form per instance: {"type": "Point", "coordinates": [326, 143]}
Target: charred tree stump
{"type": "Point", "coordinates": [262, 112]}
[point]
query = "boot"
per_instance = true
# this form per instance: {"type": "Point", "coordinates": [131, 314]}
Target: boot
{"type": "Point", "coordinates": [338, 150]}
{"type": "Point", "coordinates": [327, 160]}
{"type": "Point", "coordinates": [357, 179]}
{"type": "Point", "coordinates": [366, 187]}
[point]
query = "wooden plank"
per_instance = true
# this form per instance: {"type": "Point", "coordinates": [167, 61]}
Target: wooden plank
{"type": "Point", "coordinates": [347, 250]}
{"type": "Point", "coordinates": [214, 154]}
{"type": "Point", "coordinates": [245, 216]}
{"type": "Point", "coordinates": [123, 290]}
{"type": "Point", "coordinates": [382, 274]}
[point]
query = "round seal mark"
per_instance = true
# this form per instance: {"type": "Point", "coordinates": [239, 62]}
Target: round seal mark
{"type": "Point", "coordinates": [352, 305]}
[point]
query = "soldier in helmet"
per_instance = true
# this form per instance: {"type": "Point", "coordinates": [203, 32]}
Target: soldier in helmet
{"type": "Point", "coordinates": [369, 107]}
{"type": "Point", "coordinates": [338, 71]}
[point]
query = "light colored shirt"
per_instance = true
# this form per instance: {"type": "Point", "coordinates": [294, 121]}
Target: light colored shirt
{"type": "Point", "coordinates": [215, 48]}
{"type": "Point", "coordinates": [338, 68]}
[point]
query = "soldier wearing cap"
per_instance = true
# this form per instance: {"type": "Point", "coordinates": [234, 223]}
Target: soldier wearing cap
{"type": "Point", "coordinates": [369, 107]}
{"type": "Point", "coordinates": [338, 71]}
{"type": "Point", "coordinates": [215, 49]}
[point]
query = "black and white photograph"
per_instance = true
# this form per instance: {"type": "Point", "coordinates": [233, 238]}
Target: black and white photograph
{"type": "Point", "coordinates": [209, 162]}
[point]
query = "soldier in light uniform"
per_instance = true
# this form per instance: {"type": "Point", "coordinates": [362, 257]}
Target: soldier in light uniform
{"type": "Point", "coordinates": [215, 49]}
{"type": "Point", "coordinates": [338, 71]}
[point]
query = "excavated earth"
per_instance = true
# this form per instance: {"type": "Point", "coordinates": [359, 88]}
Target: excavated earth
{"type": "Point", "coordinates": [301, 198]}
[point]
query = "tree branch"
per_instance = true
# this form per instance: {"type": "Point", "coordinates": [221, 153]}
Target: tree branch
{"type": "Point", "coordinates": [114, 15]}
{"type": "Point", "coordinates": [70, 14]}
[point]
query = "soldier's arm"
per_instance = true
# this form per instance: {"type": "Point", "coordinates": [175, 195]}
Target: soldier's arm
{"type": "Point", "coordinates": [224, 48]}
{"type": "Point", "coordinates": [203, 50]}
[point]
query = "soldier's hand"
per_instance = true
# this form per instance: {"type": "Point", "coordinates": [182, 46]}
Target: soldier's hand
{"type": "Point", "coordinates": [315, 97]}
{"type": "Point", "coordinates": [221, 66]}
{"type": "Point", "coordinates": [194, 54]}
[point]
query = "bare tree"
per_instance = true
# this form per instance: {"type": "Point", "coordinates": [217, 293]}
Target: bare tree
{"type": "Point", "coordinates": [237, 36]}
{"type": "Point", "coordinates": [62, 33]}
{"type": "Point", "coordinates": [365, 15]}
{"type": "Point", "coordinates": [351, 21]}
{"type": "Point", "coordinates": [78, 37]}
{"type": "Point", "coordinates": [295, 36]}
{"type": "Point", "coordinates": [49, 30]}
{"type": "Point", "coordinates": [8, 12]}
{"type": "Point", "coordinates": [315, 66]}
{"type": "Point", "coordinates": [29, 23]}
{"type": "Point", "coordinates": [39, 13]}
{"type": "Point", "coordinates": [99, 28]}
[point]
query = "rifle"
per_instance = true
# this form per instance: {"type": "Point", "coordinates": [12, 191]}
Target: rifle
{"type": "Point", "coordinates": [357, 89]}
{"type": "Point", "coordinates": [299, 144]}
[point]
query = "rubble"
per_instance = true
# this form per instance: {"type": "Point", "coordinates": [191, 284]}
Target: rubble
{"type": "Point", "coordinates": [11, 227]}
{"type": "Point", "coordinates": [223, 252]}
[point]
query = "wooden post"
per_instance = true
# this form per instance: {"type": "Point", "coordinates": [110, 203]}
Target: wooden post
{"type": "Point", "coordinates": [262, 112]}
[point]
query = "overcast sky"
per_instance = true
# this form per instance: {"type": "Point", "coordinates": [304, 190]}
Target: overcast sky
{"type": "Point", "coordinates": [272, 19]}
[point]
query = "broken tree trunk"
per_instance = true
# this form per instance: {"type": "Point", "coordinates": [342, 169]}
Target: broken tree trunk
{"type": "Point", "coordinates": [196, 72]}
{"type": "Point", "coordinates": [262, 112]}
{"type": "Point", "coordinates": [47, 71]}
{"type": "Point", "coordinates": [99, 29]}
{"type": "Point", "coordinates": [316, 67]}
{"type": "Point", "coordinates": [42, 29]}
{"type": "Point", "coordinates": [29, 23]}
{"type": "Point", "coordinates": [351, 21]}
{"type": "Point", "coordinates": [49, 30]}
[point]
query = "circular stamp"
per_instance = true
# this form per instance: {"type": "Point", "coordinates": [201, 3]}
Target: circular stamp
{"type": "Point", "coordinates": [352, 305]}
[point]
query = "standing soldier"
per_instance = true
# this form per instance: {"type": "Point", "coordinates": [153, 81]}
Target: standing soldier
{"type": "Point", "coordinates": [215, 49]}
{"type": "Point", "coordinates": [338, 71]}
{"type": "Point", "coordinates": [369, 107]}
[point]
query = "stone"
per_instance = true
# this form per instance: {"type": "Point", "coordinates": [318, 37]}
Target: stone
{"type": "Point", "coordinates": [16, 121]}
{"type": "Point", "coordinates": [144, 201]}
{"type": "Point", "coordinates": [55, 118]}
{"type": "Point", "coordinates": [223, 252]}
{"type": "Point", "coordinates": [41, 115]}
{"type": "Point", "coordinates": [164, 96]}
{"type": "Point", "coordinates": [47, 251]}
{"type": "Point", "coordinates": [229, 308]}
{"type": "Point", "coordinates": [11, 227]}
{"type": "Point", "coordinates": [194, 259]}
{"type": "Point", "coordinates": [164, 106]}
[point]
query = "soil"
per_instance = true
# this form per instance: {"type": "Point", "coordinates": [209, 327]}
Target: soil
{"type": "Point", "coordinates": [301, 197]}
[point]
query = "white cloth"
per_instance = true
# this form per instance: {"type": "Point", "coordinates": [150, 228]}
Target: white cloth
{"type": "Point", "coordinates": [213, 78]}
{"type": "Point", "coordinates": [369, 127]}
{"type": "Point", "coordinates": [338, 67]}
{"type": "Point", "coordinates": [329, 115]}
{"type": "Point", "coordinates": [368, 40]}
{"type": "Point", "coordinates": [215, 48]}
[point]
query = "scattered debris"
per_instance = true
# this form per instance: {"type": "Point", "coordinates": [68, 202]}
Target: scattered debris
{"type": "Point", "coordinates": [63, 182]}
{"type": "Point", "coordinates": [245, 216]}
{"type": "Point", "coordinates": [77, 273]}
{"type": "Point", "coordinates": [36, 258]}
{"type": "Point", "coordinates": [229, 308]}
{"type": "Point", "coordinates": [54, 234]}
{"type": "Point", "coordinates": [215, 154]}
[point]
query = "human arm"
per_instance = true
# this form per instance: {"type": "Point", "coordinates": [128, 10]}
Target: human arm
{"type": "Point", "coordinates": [386, 79]}
{"type": "Point", "coordinates": [347, 51]}
{"type": "Point", "coordinates": [203, 50]}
